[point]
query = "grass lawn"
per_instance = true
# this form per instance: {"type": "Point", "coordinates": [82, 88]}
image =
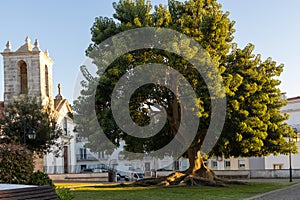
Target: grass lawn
{"type": "Point", "coordinates": [107, 192]}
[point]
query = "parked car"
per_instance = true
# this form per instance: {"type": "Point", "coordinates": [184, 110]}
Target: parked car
{"type": "Point", "coordinates": [87, 170]}
{"type": "Point", "coordinates": [126, 178]}
{"type": "Point", "coordinates": [97, 170]}
{"type": "Point", "coordinates": [104, 170]}
{"type": "Point", "coordinates": [121, 177]}
{"type": "Point", "coordinates": [100, 169]}
{"type": "Point", "coordinates": [137, 176]}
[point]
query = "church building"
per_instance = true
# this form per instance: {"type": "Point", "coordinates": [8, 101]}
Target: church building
{"type": "Point", "coordinates": [28, 71]}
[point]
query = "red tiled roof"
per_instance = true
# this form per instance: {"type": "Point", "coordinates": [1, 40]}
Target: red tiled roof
{"type": "Point", "coordinates": [293, 98]}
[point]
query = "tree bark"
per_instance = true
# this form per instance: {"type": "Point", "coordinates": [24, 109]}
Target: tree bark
{"type": "Point", "coordinates": [196, 175]}
{"type": "Point", "coordinates": [197, 166]}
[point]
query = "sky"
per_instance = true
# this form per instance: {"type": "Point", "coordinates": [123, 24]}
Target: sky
{"type": "Point", "coordinates": [63, 27]}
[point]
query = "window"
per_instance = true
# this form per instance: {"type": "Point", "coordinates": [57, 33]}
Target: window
{"type": "Point", "coordinates": [77, 138]}
{"type": "Point", "coordinates": [83, 154]}
{"type": "Point", "coordinates": [101, 155]}
{"type": "Point", "coordinates": [147, 166]}
{"type": "Point", "coordinates": [278, 166]}
{"type": "Point", "coordinates": [176, 165]}
{"type": "Point", "coordinates": [298, 137]}
{"type": "Point", "coordinates": [82, 167]}
{"type": "Point", "coordinates": [121, 156]}
{"type": "Point", "coordinates": [241, 163]}
{"type": "Point", "coordinates": [23, 77]}
{"type": "Point", "coordinates": [65, 126]}
{"type": "Point", "coordinates": [214, 164]}
{"type": "Point", "coordinates": [226, 163]}
{"type": "Point", "coordinates": [46, 81]}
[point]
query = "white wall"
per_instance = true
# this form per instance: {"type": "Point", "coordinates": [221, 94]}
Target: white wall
{"type": "Point", "coordinates": [293, 109]}
{"type": "Point", "coordinates": [268, 162]}
{"type": "Point", "coordinates": [54, 164]}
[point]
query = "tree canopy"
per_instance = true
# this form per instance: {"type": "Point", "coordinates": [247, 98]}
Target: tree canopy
{"type": "Point", "coordinates": [27, 115]}
{"type": "Point", "coordinates": [253, 125]}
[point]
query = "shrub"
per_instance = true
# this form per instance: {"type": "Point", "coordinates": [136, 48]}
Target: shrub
{"type": "Point", "coordinates": [64, 193]}
{"type": "Point", "coordinates": [40, 178]}
{"type": "Point", "coordinates": [16, 163]}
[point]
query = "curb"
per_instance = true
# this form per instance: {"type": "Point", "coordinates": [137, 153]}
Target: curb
{"type": "Point", "coordinates": [272, 192]}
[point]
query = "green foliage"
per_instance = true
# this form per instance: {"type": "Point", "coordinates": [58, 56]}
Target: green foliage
{"type": "Point", "coordinates": [26, 114]}
{"type": "Point", "coordinates": [64, 193]}
{"type": "Point", "coordinates": [254, 125]}
{"type": "Point", "coordinates": [16, 164]}
{"type": "Point", "coordinates": [40, 178]}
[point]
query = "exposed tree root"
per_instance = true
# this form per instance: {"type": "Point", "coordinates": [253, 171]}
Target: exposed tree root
{"type": "Point", "coordinates": [186, 179]}
{"type": "Point", "coordinates": [198, 174]}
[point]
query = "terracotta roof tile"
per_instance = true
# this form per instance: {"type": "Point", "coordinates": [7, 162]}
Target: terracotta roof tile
{"type": "Point", "coordinates": [293, 98]}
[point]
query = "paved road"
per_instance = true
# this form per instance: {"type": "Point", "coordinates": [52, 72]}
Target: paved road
{"type": "Point", "coordinates": [289, 193]}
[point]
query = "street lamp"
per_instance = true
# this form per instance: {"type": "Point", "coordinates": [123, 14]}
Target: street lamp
{"type": "Point", "coordinates": [30, 133]}
{"type": "Point", "coordinates": [290, 161]}
{"type": "Point", "coordinates": [290, 155]}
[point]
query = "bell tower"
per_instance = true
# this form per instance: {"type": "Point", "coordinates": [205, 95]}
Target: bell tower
{"type": "Point", "coordinates": [27, 71]}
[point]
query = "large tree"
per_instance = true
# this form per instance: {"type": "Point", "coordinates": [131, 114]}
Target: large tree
{"type": "Point", "coordinates": [253, 126]}
{"type": "Point", "coordinates": [26, 115]}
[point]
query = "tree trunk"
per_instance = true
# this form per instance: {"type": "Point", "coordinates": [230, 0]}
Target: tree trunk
{"type": "Point", "coordinates": [197, 166]}
{"type": "Point", "coordinates": [196, 174]}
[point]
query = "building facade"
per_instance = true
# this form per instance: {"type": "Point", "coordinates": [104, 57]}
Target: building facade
{"type": "Point", "coordinates": [282, 161]}
{"type": "Point", "coordinates": [28, 71]}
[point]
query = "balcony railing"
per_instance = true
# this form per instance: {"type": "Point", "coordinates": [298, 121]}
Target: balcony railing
{"type": "Point", "coordinates": [76, 169]}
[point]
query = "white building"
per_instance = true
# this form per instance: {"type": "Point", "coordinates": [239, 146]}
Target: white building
{"type": "Point", "coordinates": [28, 70]}
{"type": "Point", "coordinates": [88, 160]}
{"type": "Point", "coordinates": [66, 162]}
{"type": "Point", "coordinates": [221, 163]}
{"type": "Point", "coordinates": [282, 161]}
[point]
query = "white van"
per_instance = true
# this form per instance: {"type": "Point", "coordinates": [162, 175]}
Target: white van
{"type": "Point", "coordinates": [135, 176]}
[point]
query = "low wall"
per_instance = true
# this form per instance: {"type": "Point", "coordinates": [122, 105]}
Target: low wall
{"type": "Point", "coordinates": [163, 173]}
{"type": "Point", "coordinates": [233, 174]}
{"type": "Point", "coordinates": [282, 173]}
{"type": "Point", "coordinates": [83, 177]}
{"type": "Point", "coordinates": [257, 174]}
{"type": "Point", "coordinates": [229, 174]}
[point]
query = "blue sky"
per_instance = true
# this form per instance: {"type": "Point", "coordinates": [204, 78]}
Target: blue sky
{"type": "Point", "coordinates": [63, 27]}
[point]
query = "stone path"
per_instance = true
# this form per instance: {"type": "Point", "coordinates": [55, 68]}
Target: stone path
{"type": "Point", "coordinates": [289, 193]}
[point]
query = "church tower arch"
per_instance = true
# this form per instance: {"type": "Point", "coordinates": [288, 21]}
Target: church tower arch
{"type": "Point", "coordinates": [47, 81]}
{"type": "Point", "coordinates": [28, 70]}
{"type": "Point", "coordinates": [23, 77]}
